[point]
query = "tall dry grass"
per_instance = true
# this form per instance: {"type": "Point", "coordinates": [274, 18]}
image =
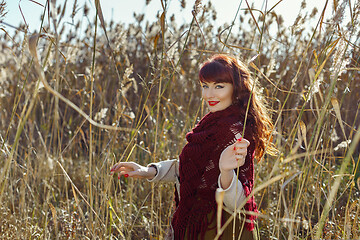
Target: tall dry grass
{"type": "Point", "coordinates": [55, 181]}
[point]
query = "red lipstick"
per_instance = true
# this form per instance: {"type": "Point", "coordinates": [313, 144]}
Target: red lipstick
{"type": "Point", "coordinates": [213, 103]}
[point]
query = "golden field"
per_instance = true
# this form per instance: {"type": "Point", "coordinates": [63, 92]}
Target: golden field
{"type": "Point", "coordinates": [72, 103]}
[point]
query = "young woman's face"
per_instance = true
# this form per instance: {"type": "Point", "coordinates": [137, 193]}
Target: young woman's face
{"type": "Point", "coordinates": [218, 96]}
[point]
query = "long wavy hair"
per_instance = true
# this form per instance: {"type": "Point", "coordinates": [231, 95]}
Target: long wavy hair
{"type": "Point", "coordinates": [226, 69]}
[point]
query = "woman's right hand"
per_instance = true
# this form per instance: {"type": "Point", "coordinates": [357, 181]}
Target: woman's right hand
{"type": "Point", "coordinates": [234, 155]}
{"type": "Point", "coordinates": [132, 169]}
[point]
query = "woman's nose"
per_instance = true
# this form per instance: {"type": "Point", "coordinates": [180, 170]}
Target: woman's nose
{"type": "Point", "coordinates": [209, 93]}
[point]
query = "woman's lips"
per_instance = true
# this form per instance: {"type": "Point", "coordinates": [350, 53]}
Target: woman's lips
{"type": "Point", "coordinates": [213, 103]}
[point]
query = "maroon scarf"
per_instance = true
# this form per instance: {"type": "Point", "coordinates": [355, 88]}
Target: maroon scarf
{"type": "Point", "coordinates": [199, 171]}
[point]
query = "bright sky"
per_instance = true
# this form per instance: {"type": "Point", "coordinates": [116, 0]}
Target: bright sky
{"type": "Point", "coordinates": [122, 10]}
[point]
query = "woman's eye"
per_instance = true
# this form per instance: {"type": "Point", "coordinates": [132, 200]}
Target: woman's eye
{"type": "Point", "coordinates": [219, 86]}
{"type": "Point", "coordinates": [204, 86]}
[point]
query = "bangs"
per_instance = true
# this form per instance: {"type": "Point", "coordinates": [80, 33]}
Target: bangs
{"type": "Point", "coordinates": [215, 72]}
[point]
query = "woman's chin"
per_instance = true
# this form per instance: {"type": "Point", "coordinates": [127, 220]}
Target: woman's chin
{"type": "Point", "coordinates": [213, 109]}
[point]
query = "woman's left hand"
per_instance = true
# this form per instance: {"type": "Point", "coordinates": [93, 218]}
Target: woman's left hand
{"type": "Point", "coordinates": [234, 155]}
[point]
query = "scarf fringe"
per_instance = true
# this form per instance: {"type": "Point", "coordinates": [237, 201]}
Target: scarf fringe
{"type": "Point", "coordinates": [195, 230]}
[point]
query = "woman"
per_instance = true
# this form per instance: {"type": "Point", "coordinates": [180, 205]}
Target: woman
{"type": "Point", "coordinates": [213, 154]}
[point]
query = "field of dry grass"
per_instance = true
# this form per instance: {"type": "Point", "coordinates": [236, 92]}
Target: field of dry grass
{"type": "Point", "coordinates": [135, 94]}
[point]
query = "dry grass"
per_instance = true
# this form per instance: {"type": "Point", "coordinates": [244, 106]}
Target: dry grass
{"type": "Point", "coordinates": [55, 181]}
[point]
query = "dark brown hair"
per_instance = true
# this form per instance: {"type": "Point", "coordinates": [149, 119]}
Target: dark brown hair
{"type": "Point", "coordinates": [223, 68]}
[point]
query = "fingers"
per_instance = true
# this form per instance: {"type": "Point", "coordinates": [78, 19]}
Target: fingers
{"type": "Point", "coordinates": [122, 171]}
{"type": "Point", "coordinates": [114, 168]}
{"type": "Point", "coordinates": [240, 157]}
{"type": "Point", "coordinates": [240, 160]}
{"type": "Point", "coordinates": [240, 146]}
{"type": "Point", "coordinates": [240, 149]}
{"type": "Point", "coordinates": [122, 167]}
{"type": "Point", "coordinates": [242, 143]}
{"type": "Point", "coordinates": [128, 169]}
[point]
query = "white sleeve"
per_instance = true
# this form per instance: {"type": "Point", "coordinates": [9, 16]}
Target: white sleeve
{"type": "Point", "coordinates": [167, 171]}
{"type": "Point", "coordinates": [232, 193]}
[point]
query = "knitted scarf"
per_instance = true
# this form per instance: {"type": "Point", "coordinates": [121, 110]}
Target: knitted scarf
{"type": "Point", "coordinates": [199, 172]}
